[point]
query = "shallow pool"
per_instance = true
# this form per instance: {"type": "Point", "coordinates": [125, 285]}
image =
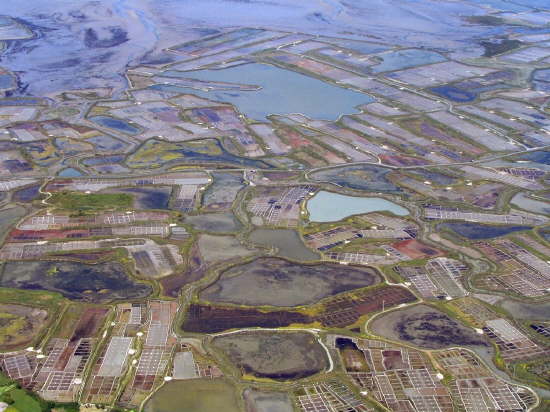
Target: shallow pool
{"type": "Point", "coordinates": [70, 172]}
{"type": "Point", "coordinates": [403, 59]}
{"type": "Point", "coordinates": [523, 201]}
{"type": "Point", "coordinates": [476, 231]}
{"type": "Point", "coordinates": [113, 123]}
{"type": "Point", "coordinates": [6, 81]}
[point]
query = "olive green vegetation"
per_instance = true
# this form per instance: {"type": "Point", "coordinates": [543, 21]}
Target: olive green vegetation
{"type": "Point", "coordinates": [93, 201]}
{"type": "Point", "coordinates": [11, 325]}
{"type": "Point", "coordinates": [70, 317]}
{"type": "Point", "coordinates": [532, 373]}
{"type": "Point", "coordinates": [45, 299]}
{"type": "Point", "coordinates": [544, 406]}
{"type": "Point", "coordinates": [200, 395]}
{"type": "Point", "coordinates": [21, 400]}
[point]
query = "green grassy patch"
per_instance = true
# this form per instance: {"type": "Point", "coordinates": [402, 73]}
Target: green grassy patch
{"type": "Point", "coordinates": [93, 201]}
{"type": "Point", "coordinates": [4, 380]}
{"type": "Point", "coordinates": [21, 400]}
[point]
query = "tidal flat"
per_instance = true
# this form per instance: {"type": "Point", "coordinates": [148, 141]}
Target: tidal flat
{"type": "Point", "coordinates": [287, 242]}
{"type": "Point", "coordinates": [215, 222]}
{"type": "Point", "coordinates": [274, 355]}
{"type": "Point", "coordinates": [279, 282]}
{"type": "Point", "coordinates": [99, 283]}
{"type": "Point", "coordinates": [425, 327]}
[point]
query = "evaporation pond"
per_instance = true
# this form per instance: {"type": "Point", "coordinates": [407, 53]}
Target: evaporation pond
{"type": "Point", "coordinates": [403, 59]}
{"type": "Point", "coordinates": [282, 92]}
{"type": "Point", "coordinates": [70, 172]}
{"type": "Point", "coordinates": [331, 207]}
{"type": "Point", "coordinates": [6, 81]}
{"type": "Point", "coordinates": [113, 123]}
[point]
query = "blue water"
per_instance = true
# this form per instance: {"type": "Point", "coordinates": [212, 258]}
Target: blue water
{"type": "Point", "coordinates": [454, 93]}
{"type": "Point", "coordinates": [282, 92]}
{"type": "Point", "coordinates": [542, 157]}
{"type": "Point", "coordinates": [5, 21]}
{"type": "Point", "coordinates": [542, 75]}
{"type": "Point", "coordinates": [70, 172]}
{"type": "Point", "coordinates": [541, 80]}
{"type": "Point", "coordinates": [402, 59]}
{"type": "Point", "coordinates": [27, 194]}
{"type": "Point", "coordinates": [149, 197]}
{"type": "Point", "coordinates": [331, 207]}
{"type": "Point", "coordinates": [117, 124]}
{"type": "Point", "coordinates": [477, 231]}
{"type": "Point", "coordinates": [6, 81]}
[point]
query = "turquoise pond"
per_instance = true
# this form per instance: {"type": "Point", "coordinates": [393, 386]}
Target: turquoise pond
{"type": "Point", "coordinates": [282, 92]}
{"type": "Point", "coordinates": [331, 207]}
{"type": "Point", "coordinates": [70, 172]}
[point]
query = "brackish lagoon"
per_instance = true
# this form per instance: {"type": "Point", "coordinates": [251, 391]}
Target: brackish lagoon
{"type": "Point", "coordinates": [282, 92]}
{"type": "Point", "coordinates": [331, 207]}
